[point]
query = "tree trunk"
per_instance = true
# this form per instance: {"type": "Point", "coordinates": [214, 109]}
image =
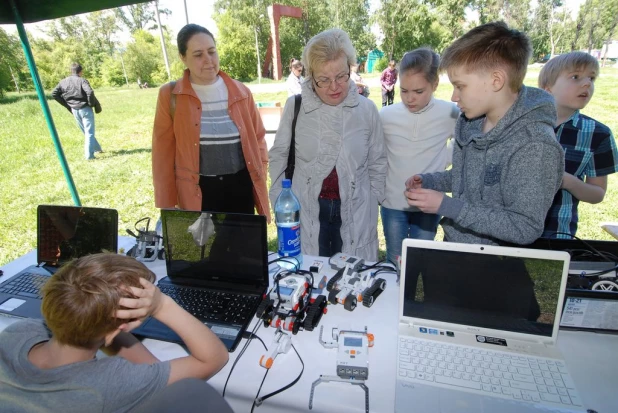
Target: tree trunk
{"type": "Point", "coordinates": [609, 39]}
{"type": "Point", "coordinates": [14, 80]}
{"type": "Point", "coordinates": [167, 63]}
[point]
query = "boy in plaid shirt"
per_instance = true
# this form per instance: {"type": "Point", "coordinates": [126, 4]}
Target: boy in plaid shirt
{"type": "Point", "coordinates": [590, 148]}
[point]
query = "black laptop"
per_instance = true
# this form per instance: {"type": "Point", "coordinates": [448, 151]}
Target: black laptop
{"type": "Point", "coordinates": [217, 270]}
{"type": "Point", "coordinates": [63, 234]}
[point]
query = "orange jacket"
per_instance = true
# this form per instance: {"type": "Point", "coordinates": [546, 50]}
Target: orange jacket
{"type": "Point", "coordinates": [175, 145]}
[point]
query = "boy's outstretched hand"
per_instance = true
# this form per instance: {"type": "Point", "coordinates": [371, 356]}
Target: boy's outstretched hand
{"type": "Point", "coordinates": [427, 200]}
{"type": "Point", "coordinates": [147, 302]}
{"type": "Point", "coordinates": [414, 182]}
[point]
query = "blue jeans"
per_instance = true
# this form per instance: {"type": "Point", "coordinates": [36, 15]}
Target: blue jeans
{"type": "Point", "coordinates": [329, 240]}
{"type": "Point", "coordinates": [404, 224]}
{"type": "Point", "coordinates": [85, 121]}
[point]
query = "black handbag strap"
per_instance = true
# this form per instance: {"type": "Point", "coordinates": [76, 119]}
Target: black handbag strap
{"type": "Point", "coordinates": [289, 172]}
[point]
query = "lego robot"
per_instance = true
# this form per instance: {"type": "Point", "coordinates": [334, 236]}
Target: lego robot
{"type": "Point", "coordinates": [352, 360]}
{"type": "Point", "coordinates": [352, 283]}
{"type": "Point", "coordinates": [289, 305]}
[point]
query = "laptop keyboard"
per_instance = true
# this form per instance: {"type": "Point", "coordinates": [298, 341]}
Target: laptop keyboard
{"type": "Point", "coordinates": [26, 285]}
{"type": "Point", "coordinates": [209, 305]}
{"type": "Point", "coordinates": [502, 374]}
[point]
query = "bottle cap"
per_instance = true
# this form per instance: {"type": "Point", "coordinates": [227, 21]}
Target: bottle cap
{"type": "Point", "coordinates": [286, 183]}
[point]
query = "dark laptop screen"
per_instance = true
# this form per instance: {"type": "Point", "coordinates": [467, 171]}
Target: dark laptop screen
{"type": "Point", "coordinates": [220, 247]}
{"type": "Point", "coordinates": [482, 290]}
{"type": "Point", "coordinates": [68, 232]}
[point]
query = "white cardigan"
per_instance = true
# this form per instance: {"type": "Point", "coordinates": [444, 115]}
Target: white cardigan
{"type": "Point", "coordinates": [415, 143]}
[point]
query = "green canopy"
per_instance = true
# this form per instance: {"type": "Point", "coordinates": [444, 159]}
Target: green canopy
{"type": "Point", "coordinates": [30, 11]}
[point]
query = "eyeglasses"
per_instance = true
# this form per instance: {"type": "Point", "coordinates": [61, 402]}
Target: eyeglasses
{"type": "Point", "coordinates": [341, 79]}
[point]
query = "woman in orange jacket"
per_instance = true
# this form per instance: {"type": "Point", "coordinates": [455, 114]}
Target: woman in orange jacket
{"type": "Point", "coordinates": [208, 146]}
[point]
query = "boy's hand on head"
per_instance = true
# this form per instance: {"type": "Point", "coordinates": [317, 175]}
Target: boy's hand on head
{"type": "Point", "coordinates": [414, 182]}
{"type": "Point", "coordinates": [147, 300]}
{"type": "Point", "coordinates": [427, 200]}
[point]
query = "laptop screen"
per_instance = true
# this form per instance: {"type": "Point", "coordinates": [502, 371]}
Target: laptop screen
{"type": "Point", "coordinates": [68, 232]}
{"type": "Point", "coordinates": [486, 290]}
{"type": "Point", "coordinates": [219, 247]}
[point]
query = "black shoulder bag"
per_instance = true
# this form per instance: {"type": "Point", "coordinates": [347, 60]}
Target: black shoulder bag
{"type": "Point", "coordinates": [289, 171]}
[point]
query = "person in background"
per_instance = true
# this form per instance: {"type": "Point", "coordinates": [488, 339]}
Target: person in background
{"type": "Point", "coordinates": [295, 78]}
{"type": "Point", "coordinates": [92, 304]}
{"type": "Point", "coordinates": [340, 159]}
{"type": "Point", "coordinates": [507, 164]}
{"type": "Point", "coordinates": [208, 146]}
{"type": "Point", "coordinates": [363, 88]}
{"type": "Point", "coordinates": [388, 78]}
{"type": "Point", "coordinates": [75, 94]}
{"type": "Point", "coordinates": [589, 146]}
{"type": "Point", "coordinates": [417, 132]}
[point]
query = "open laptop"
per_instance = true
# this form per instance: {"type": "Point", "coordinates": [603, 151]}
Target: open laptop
{"type": "Point", "coordinates": [478, 327]}
{"type": "Point", "coordinates": [63, 234]}
{"type": "Point", "coordinates": [217, 269]}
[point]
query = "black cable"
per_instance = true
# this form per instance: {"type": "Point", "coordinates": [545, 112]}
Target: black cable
{"type": "Point", "coordinates": [250, 336]}
{"type": "Point", "coordinates": [583, 241]}
{"type": "Point", "coordinates": [242, 351]}
{"type": "Point", "coordinates": [147, 224]}
{"type": "Point", "coordinates": [258, 392]}
{"type": "Point", "coordinates": [259, 400]}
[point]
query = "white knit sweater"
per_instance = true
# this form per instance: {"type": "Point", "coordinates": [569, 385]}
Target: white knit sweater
{"type": "Point", "coordinates": [415, 143]}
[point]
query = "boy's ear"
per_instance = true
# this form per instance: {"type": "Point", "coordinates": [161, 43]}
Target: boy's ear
{"type": "Point", "coordinates": [109, 337]}
{"type": "Point", "coordinates": [498, 79]}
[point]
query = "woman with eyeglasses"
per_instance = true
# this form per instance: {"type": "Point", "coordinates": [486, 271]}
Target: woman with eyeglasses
{"type": "Point", "coordinates": [340, 161]}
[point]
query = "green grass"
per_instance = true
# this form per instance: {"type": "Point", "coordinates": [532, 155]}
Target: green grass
{"type": "Point", "coordinates": [30, 173]}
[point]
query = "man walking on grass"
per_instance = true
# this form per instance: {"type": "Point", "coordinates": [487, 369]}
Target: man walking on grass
{"type": "Point", "coordinates": [75, 94]}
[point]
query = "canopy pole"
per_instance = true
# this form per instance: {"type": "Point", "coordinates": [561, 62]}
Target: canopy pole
{"type": "Point", "coordinates": [43, 101]}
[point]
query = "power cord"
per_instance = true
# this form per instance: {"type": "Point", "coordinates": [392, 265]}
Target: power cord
{"type": "Point", "coordinates": [242, 351]}
{"type": "Point", "coordinates": [606, 256]}
{"type": "Point", "coordinates": [249, 336]}
{"type": "Point", "coordinates": [259, 400]}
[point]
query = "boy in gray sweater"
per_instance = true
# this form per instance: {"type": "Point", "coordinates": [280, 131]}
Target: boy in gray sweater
{"type": "Point", "coordinates": [92, 304]}
{"type": "Point", "coordinates": [507, 164]}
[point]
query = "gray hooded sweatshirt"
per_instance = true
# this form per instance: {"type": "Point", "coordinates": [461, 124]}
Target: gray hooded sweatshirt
{"type": "Point", "coordinates": [503, 181]}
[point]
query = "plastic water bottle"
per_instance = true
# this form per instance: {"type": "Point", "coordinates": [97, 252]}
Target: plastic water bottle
{"type": "Point", "coordinates": [287, 218]}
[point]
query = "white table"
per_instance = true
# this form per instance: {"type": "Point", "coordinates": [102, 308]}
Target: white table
{"type": "Point", "coordinates": [592, 359]}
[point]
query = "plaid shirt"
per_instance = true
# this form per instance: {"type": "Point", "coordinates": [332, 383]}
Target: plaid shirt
{"type": "Point", "coordinates": [388, 77]}
{"type": "Point", "coordinates": [589, 150]}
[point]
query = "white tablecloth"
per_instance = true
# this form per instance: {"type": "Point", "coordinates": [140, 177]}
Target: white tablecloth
{"type": "Point", "coordinates": [592, 359]}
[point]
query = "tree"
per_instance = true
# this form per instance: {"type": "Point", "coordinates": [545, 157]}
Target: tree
{"type": "Point", "coordinates": [12, 64]}
{"type": "Point", "coordinates": [408, 25]}
{"type": "Point", "coordinates": [143, 57]}
{"type": "Point", "coordinates": [87, 39]}
{"type": "Point", "coordinates": [239, 21]}
{"type": "Point", "coordinates": [610, 21]}
{"type": "Point", "coordinates": [451, 15]}
{"type": "Point", "coordinates": [352, 16]}
{"type": "Point", "coordinates": [136, 16]}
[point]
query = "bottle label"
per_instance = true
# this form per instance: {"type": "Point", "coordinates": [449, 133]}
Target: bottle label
{"type": "Point", "coordinates": [289, 240]}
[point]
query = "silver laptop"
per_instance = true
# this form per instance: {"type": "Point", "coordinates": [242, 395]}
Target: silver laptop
{"type": "Point", "coordinates": [478, 327]}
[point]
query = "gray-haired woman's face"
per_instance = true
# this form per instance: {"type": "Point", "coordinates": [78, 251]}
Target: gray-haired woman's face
{"type": "Point", "coordinates": [333, 77]}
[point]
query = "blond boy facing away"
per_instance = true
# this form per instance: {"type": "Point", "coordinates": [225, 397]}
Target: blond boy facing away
{"type": "Point", "coordinates": [507, 164]}
{"type": "Point", "coordinates": [589, 146]}
{"type": "Point", "coordinates": [92, 303]}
